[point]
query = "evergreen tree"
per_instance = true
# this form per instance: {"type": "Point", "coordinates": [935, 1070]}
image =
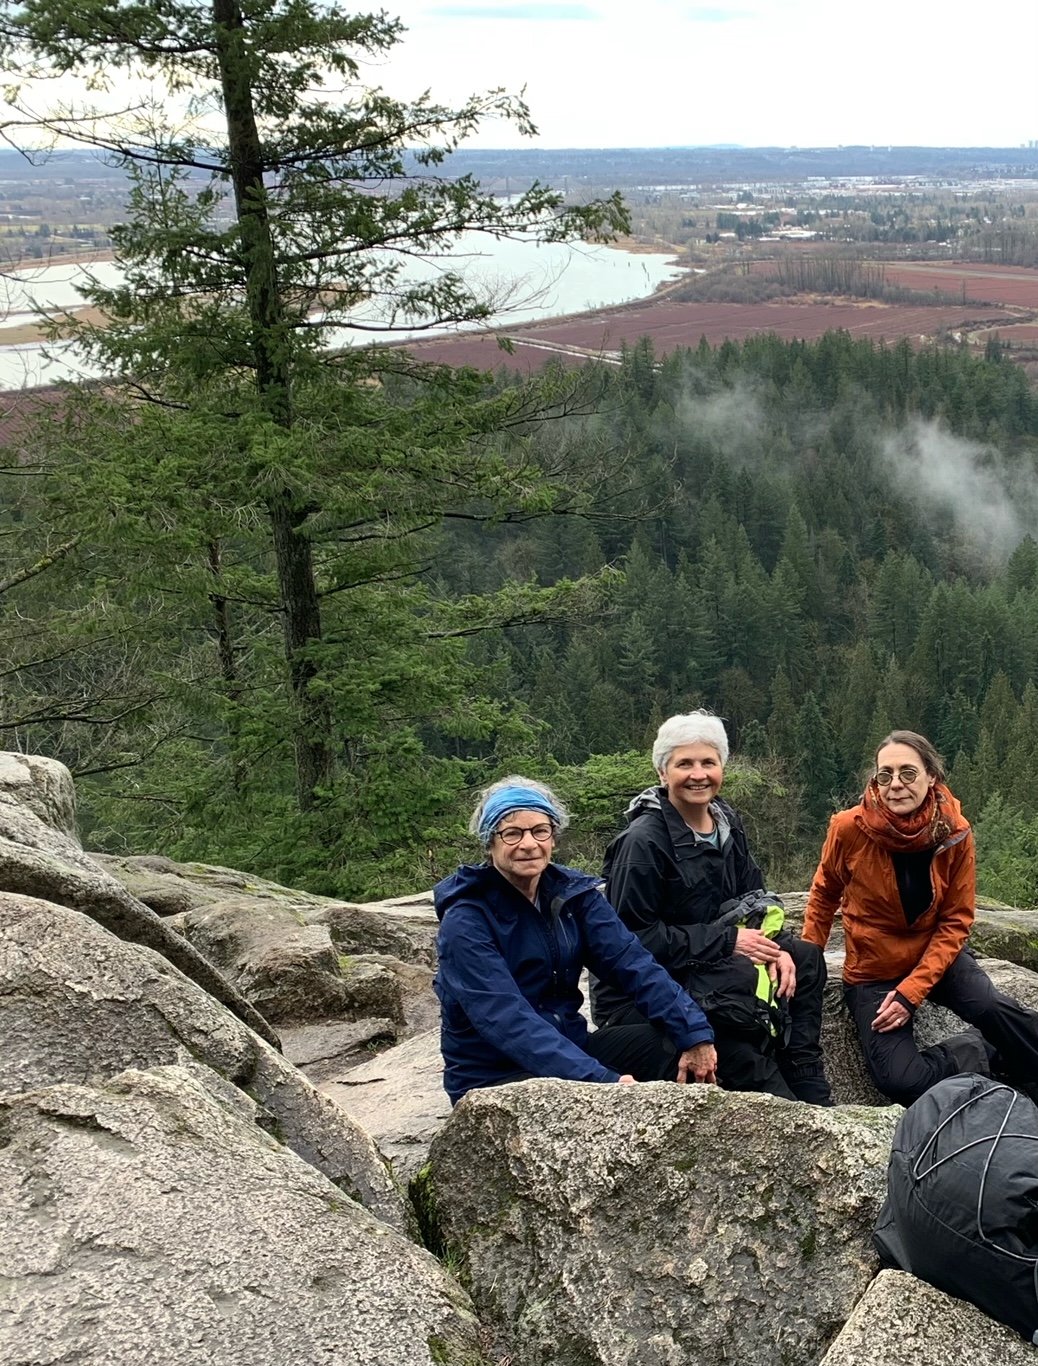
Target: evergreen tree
{"type": "Point", "coordinates": [856, 707]}
{"type": "Point", "coordinates": [782, 720]}
{"type": "Point", "coordinates": [260, 469]}
{"type": "Point", "coordinates": [816, 764]}
{"type": "Point", "coordinates": [998, 717]}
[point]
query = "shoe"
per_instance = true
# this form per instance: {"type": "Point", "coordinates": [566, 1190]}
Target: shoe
{"type": "Point", "coordinates": [970, 1052]}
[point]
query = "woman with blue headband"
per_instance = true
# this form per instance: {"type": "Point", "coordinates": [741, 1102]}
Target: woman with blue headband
{"type": "Point", "coordinates": [516, 932]}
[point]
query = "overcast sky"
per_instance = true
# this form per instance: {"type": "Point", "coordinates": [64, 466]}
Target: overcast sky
{"type": "Point", "coordinates": [642, 73]}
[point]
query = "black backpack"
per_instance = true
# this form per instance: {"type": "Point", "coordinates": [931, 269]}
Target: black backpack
{"type": "Point", "coordinates": [962, 1198]}
{"type": "Point", "coordinates": [720, 989]}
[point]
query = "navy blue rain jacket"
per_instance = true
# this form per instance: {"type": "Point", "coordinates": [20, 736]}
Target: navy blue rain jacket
{"type": "Point", "coordinates": [509, 971]}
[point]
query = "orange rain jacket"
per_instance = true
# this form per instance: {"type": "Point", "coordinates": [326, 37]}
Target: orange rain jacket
{"type": "Point", "coordinates": [881, 946]}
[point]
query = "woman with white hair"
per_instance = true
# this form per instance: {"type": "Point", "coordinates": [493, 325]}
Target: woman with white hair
{"type": "Point", "coordinates": [515, 934]}
{"type": "Point", "coordinates": [680, 875]}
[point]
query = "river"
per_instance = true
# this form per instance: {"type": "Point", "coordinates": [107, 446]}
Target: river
{"type": "Point", "coordinates": [538, 279]}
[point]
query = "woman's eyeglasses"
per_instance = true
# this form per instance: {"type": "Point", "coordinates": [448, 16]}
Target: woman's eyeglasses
{"type": "Point", "coordinates": [512, 834]}
{"type": "Point", "coordinates": [907, 775]}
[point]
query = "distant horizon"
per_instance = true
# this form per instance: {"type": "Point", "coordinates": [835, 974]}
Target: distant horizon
{"type": "Point", "coordinates": [535, 145]}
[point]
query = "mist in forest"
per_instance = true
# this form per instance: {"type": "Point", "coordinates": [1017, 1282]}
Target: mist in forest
{"type": "Point", "coordinates": [988, 499]}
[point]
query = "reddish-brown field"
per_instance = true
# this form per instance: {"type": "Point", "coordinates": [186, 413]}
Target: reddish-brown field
{"type": "Point", "coordinates": [1013, 285]}
{"type": "Point", "coordinates": [1017, 334]}
{"type": "Point", "coordinates": [671, 325]}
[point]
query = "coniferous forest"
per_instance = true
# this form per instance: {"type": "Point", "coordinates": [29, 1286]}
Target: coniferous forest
{"type": "Point", "coordinates": [818, 541]}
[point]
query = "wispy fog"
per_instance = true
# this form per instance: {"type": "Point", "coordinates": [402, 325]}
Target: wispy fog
{"type": "Point", "coordinates": [989, 500]}
{"type": "Point", "coordinates": [966, 487]}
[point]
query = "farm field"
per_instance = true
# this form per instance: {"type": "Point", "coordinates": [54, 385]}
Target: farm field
{"type": "Point", "coordinates": [670, 324]}
{"type": "Point", "coordinates": [977, 283]}
{"type": "Point", "coordinates": [965, 281]}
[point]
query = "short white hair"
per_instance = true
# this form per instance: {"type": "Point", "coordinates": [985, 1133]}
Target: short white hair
{"type": "Point", "coordinates": [689, 728]}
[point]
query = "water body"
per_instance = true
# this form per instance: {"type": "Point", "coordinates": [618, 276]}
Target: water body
{"type": "Point", "coordinates": [528, 280]}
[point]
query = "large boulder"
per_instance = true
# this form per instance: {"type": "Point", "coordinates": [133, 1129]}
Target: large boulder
{"type": "Point", "coordinates": [900, 1321]}
{"type": "Point", "coordinates": [398, 1098]}
{"type": "Point", "coordinates": [170, 887]}
{"type": "Point", "coordinates": [40, 857]}
{"type": "Point", "coordinates": [43, 787]}
{"type": "Point", "coordinates": [79, 1005]}
{"type": "Point", "coordinates": [402, 927]}
{"type": "Point", "coordinates": [1006, 933]}
{"type": "Point", "coordinates": [290, 970]}
{"type": "Point", "coordinates": [659, 1224]}
{"type": "Point", "coordinates": [145, 1221]}
{"type": "Point", "coordinates": [326, 1050]}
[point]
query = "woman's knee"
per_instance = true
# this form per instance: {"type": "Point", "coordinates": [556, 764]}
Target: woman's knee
{"type": "Point", "coordinates": [901, 1082]}
{"type": "Point", "coordinates": [896, 1066]}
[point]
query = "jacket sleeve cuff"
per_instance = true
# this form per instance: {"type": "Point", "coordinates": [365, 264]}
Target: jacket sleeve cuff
{"type": "Point", "coordinates": [910, 1006]}
{"type": "Point", "coordinates": [700, 1034]}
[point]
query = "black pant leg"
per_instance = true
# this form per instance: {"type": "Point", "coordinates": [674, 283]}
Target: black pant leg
{"type": "Point", "coordinates": [742, 1064]}
{"type": "Point", "coordinates": [1010, 1027]}
{"type": "Point", "coordinates": [639, 1049]}
{"type": "Point", "coordinates": [896, 1065]}
{"type": "Point", "coordinates": [800, 1059]}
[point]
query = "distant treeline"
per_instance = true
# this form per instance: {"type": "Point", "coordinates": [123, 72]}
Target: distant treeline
{"type": "Point", "coordinates": [839, 274]}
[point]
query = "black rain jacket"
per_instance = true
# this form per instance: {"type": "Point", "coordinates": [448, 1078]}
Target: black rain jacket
{"type": "Point", "coordinates": [668, 887]}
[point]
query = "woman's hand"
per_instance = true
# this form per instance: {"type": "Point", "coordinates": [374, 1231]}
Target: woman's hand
{"type": "Point", "coordinates": [701, 1062]}
{"type": "Point", "coordinates": [784, 972]}
{"type": "Point", "coordinates": [757, 947]}
{"type": "Point", "coordinates": [625, 1080]}
{"type": "Point", "coordinates": [890, 1015]}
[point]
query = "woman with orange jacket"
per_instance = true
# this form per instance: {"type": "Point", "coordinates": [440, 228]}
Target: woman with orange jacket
{"type": "Point", "coordinates": [902, 866]}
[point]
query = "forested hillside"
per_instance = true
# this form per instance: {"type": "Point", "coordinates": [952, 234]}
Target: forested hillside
{"type": "Point", "coordinates": [818, 541]}
{"type": "Point", "coordinates": [842, 544]}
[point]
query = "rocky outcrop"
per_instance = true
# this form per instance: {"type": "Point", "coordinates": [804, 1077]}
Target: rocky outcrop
{"type": "Point", "coordinates": [79, 1005]}
{"type": "Point", "coordinates": [300, 960]}
{"type": "Point", "coordinates": [170, 887]}
{"type": "Point", "coordinates": [403, 927]}
{"type": "Point", "coordinates": [398, 1097]}
{"type": "Point", "coordinates": [290, 970]}
{"type": "Point", "coordinates": [41, 857]}
{"type": "Point", "coordinates": [1006, 933]}
{"type": "Point", "coordinates": [144, 1220]}
{"type": "Point", "coordinates": [900, 1321]}
{"type": "Point", "coordinates": [659, 1224]}
{"type": "Point", "coordinates": [43, 787]}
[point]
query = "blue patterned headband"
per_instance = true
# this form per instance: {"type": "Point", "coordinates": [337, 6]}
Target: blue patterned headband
{"type": "Point", "coordinates": [517, 798]}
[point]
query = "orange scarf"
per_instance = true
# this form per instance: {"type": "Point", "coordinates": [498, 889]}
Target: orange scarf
{"type": "Point", "coordinates": [928, 826]}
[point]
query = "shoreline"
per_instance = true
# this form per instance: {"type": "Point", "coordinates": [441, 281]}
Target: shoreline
{"type": "Point", "coordinates": [34, 333]}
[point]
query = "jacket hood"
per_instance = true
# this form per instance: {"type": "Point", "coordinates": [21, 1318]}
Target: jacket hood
{"type": "Point", "coordinates": [652, 800]}
{"type": "Point", "coordinates": [482, 881]}
{"type": "Point", "coordinates": [649, 800]}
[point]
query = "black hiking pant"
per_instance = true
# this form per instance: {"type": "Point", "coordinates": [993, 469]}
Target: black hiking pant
{"type": "Point", "coordinates": [638, 1049]}
{"type": "Point", "coordinates": [904, 1072]}
{"type": "Point", "coordinates": [753, 1061]}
